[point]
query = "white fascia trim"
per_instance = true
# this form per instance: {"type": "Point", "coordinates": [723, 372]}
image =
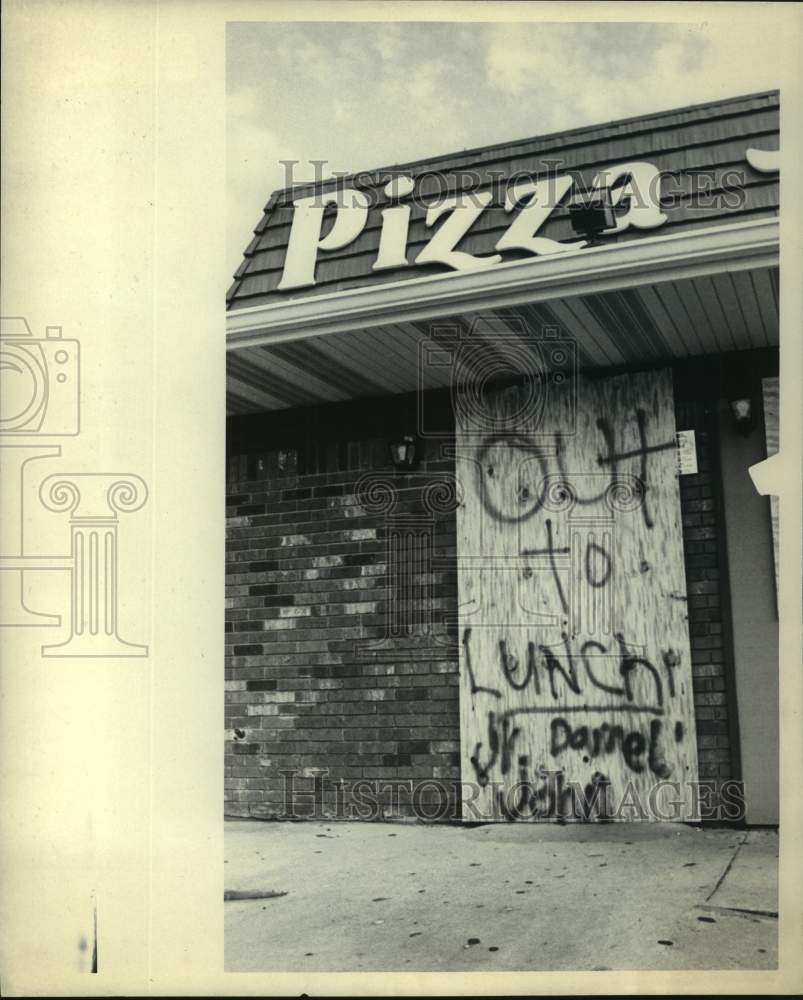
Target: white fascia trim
{"type": "Point", "coordinates": [734, 247]}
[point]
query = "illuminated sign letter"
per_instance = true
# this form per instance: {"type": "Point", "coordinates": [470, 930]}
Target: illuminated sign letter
{"type": "Point", "coordinates": [395, 225]}
{"type": "Point", "coordinates": [765, 161]}
{"type": "Point", "coordinates": [540, 198]}
{"type": "Point", "coordinates": [465, 210]}
{"type": "Point", "coordinates": [642, 188]}
{"type": "Point", "coordinates": [305, 232]}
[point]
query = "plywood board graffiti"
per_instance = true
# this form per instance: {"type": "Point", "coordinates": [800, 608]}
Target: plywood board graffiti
{"type": "Point", "coordinates": [575, 663]}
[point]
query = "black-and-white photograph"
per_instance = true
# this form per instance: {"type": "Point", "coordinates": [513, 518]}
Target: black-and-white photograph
{"type": "Point", "coordinates": [501, 624]}
{"type": "Point", "coordinates": [400, 492]}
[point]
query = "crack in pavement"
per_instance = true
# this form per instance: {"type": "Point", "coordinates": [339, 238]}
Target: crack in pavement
{"type": "Point", "coordinates": [236, 894]}
{"type": "Point", "coordinates": [739, 910]}
{"type": "Point", "coordinates": [728, 867]}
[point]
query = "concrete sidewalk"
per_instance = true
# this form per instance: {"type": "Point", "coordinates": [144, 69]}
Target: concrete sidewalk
{"type": "Point", "coordinates": [403, 897]}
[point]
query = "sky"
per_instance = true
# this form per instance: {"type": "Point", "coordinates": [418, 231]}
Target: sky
{"type": "Point", "coordinates": [362, 95]}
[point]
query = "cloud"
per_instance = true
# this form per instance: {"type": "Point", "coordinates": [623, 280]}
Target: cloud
{"type": "Point", "coordinates": [579, 74]}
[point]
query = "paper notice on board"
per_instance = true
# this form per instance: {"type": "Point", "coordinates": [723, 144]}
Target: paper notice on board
{"type": "Point", "coordinates": [686, 453]}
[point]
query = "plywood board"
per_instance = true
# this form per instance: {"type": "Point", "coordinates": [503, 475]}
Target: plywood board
{"type": "Point", "coordinates": [575, 658]}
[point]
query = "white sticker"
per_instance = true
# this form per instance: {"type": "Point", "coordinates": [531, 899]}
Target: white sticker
{"type": "Point", "coordinates": [686, 453]}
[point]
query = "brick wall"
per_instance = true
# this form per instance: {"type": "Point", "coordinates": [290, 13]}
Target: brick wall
{"type": "Point", "coordinates": [700, 502]}
{"type": "Point", "coordinates": [308, 589]}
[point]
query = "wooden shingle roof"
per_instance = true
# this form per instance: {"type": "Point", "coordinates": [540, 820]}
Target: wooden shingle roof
{"type": "Point", "coordinates": [701, 149]}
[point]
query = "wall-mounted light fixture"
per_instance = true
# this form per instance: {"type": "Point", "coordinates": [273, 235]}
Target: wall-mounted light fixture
{"type": "Point", "coordinates": [405, 452]}
{"type": "Point", "coordinates": [743, 414]}
{"type": "Point", "coordinates": [591, 214]}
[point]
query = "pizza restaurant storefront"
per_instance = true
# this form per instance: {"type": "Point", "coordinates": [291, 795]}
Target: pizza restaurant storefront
{"type": "Point", "coordinates": [493, 550]}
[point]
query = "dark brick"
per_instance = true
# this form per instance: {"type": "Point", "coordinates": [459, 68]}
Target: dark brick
{"type": "Point", "coordinates": [253, 650]}
{"type": "Point", "coordinates": [279, 601]}
{"type": "Point", "coordinates": [411, 694]}
{"type": "Point", "coordinates": [359, 559]}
